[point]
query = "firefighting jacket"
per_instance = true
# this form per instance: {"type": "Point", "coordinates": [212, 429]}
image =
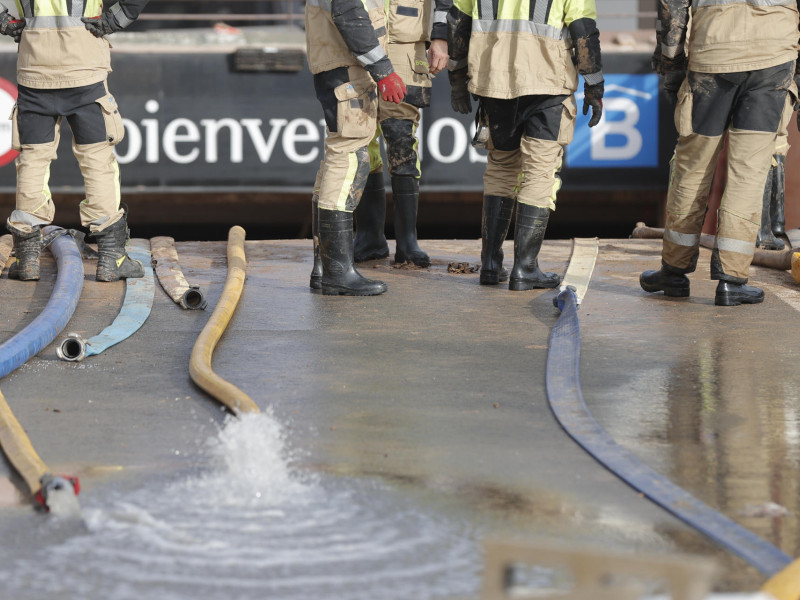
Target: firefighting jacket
{"type": "Point", "coordinates": [726, 35]}
{"type": "Point", "coordinates": [56, 49]}
{"type": "Point", "coordinates": [411, 20]}
{"type": "Point", "coordinates": [347, 33]}
{"type": "Point", "coordinates": [525, 47]}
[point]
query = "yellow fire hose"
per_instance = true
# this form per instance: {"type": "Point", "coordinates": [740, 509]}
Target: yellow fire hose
{"type": "Point", "coordinates": [19, 450]}
{"type": "Point", "coordinates": [200, 362]}
{"type": "Point", "coordinates": [785, 585]}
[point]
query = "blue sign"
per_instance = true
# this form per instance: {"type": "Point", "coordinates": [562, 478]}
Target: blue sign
{"type": "Point", "coordinates": [627, 134]}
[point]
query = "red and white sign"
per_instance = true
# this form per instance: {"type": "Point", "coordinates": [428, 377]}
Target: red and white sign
{"type": "Point", "coordinates": [8, 97]}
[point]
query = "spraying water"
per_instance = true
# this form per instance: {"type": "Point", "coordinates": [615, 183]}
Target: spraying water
{"type": "Point", "coordinates": [250, 525]}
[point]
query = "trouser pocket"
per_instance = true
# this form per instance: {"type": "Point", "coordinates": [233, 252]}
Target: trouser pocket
{"type": "Point", "coordinates": [115, 130]}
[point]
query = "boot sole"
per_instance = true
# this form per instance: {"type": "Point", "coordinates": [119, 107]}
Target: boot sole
{"type": "Point", "coordinates": [328, 291]}
{"type": "Point", "coordinates": [671, 292]}
{"type": "Point", "coordinates": [522, 285]}
{"type": "Point", "coordinates": [419, 262]}
{"type": "Point", "coordinates": [490, 278]}
{"type": "Point", "coordinates": [735, 301]}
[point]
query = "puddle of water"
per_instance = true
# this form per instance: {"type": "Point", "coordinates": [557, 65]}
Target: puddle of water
{"type": "Point", "coordinates": [249, 525]}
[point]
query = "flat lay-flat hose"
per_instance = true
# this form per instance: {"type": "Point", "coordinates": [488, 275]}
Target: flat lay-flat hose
{"type": "Point", "coordinates": [200, 362]}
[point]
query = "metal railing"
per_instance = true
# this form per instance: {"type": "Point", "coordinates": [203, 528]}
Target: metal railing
{"type": "Point", "coordinates": [199, 11]}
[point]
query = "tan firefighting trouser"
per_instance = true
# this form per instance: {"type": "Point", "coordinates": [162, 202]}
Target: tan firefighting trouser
{"type": "Point", "coordinates": [525, 158]}
{"type": "Point", "coordinates": [709, 108]}
{"type": "Point", "coordinates": [92, 113]}
{"type": "Point", "coordinates": [398, 122]}
{"type": "Point", "coordinates": [343, 171]}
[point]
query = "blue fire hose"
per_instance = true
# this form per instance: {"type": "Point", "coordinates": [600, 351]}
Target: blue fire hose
{"type": "Point", "coordinates": [569, 408]}
{"type": "Point", "coordinates": [139, 293]}
{"type": "Point", "coordinates": [56, 314]}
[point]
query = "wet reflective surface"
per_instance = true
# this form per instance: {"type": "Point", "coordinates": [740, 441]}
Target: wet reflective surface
{"type": "Point", "coordinates": [418, 425]}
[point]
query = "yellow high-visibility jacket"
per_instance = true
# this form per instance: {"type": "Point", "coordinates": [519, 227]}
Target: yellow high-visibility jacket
{"type": "Point", "coordinates": [516, 48]}
{"type": "Point", "coordinates": [56, 50]}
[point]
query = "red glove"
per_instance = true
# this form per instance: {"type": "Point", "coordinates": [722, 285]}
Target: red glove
{"type": "Point", "coordinates": [392, 88]}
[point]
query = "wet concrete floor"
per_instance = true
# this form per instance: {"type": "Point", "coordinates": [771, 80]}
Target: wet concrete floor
{"type": "Point", "coordinates": [437, 387]}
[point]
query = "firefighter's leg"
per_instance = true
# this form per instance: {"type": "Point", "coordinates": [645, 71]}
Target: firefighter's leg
{"type": "Point", "coordinates": [501, 182]}
{"type": "Point", "coordinates": [349, 101]}
{"type": "Point", "coordinates": [370, 214]}
{"type": "Point", "coordinates": [96, 127]}
{"type": "Point", "coordinates": [549, 127]}
{"type": "Point", "coordinates": [778, 192]}
{"type": "Point", "coordinates": [315, 281]}
{"type": "Point", "coordinates": [403, 158]}
{"type": "Point", "coordinates": [36, 133]}
{"type": "Point", "coordinates": [701, 115]}
{"type": "Point", "coordinates": [751, 142]}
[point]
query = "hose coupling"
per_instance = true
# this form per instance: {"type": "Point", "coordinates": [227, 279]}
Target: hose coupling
{"type": "Point", "coordinates": [72, 349]}
{"type": "Point", "coordinates": [194, 298]}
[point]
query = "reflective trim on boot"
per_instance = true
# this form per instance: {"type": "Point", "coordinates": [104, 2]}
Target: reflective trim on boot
{"type": "Point", "coordinates": [777, 208]}
{"type": "Point", "coordinates": [765, 238]}
{"type": "Point", "coordinates": [28, 252]}
{"type": "Point", "coordinates": [732, 294]}
{"type": "Point", "coordinates": [528, 238]}
{"type": "Point", "coordinates": [339, 275]}
{"type": "Point", "coordinates": [665, 280]}
{"type": "Point", "coordinates": [405, 194]}
{"type": "Point", "coordinates": [113, 263]}
{"type": "Point", "coordinates": [315, 281]}
{"type": "Point", "coordinates": [497, 213]}
{"type": "Point", "coordinates": [370, 218]}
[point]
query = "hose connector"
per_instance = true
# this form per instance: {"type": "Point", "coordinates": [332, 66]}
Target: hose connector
{"type": "Point", "coordinates": [194, 298]}
{"type": "Point", "coordinates": [72, 349]}
{"type": "Point", "coordinates": [564, 293]}
{"type": "Point", "coordinates": [58, 494]}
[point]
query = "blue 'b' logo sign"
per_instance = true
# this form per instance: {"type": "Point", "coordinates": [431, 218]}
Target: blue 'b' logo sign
{"type": "Point", "coordinates": [627, 134]}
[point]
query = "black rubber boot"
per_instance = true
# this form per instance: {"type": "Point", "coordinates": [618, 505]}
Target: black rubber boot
{"type": "Point", "coordinates": [734, 294]}
{"type": "Point", "coordinates": [405, 193]}
{"type": "Point", "coordinates": [778, 200]}
{"type": "Point", "coordinates": [672, 283]}
{"type": "Point", "coordinates": [370, 218]}
{"type": "Point", "coordinates": [339, 275]}
{"type": "Point", "coordinates": [497, 212]}
{"type": "Point", "coordinates": [528, 238]}
{"type": "Point", "coordinates": [113, 263]}
{"type": "Point", "coordinates": [28, 251]}
{"type": "Point", "coordinates": [765, 238]}
{"type": "Point", "coordinates": [315, 281]}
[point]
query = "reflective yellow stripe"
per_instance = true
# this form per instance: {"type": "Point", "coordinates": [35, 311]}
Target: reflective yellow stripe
{"type": "Point", "coordinates": [374, 151]}
{"type": "Point", "coordinates": [50, 8]}
{"type": "Point", "coordinates": [347, 185]}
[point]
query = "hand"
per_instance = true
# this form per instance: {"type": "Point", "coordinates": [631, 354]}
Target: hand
{"type": "Point", "coordinates": [392, 88]}
{"type": "Point", "coordinates": [10, 26]}
{"type": "Point", "coordinates": [102, 25]}
{"type": "Point", "coordinates": [459, 94]}
{"type": "Point", "coordinates": [593, 96]}
{"type": "Point", "coordinates": [672, 83]}
{"type": "Point", "coordinates": [438, 56]}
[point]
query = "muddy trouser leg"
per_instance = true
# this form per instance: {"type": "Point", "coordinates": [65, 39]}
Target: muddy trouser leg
{"type": "Point", "coordinates": [701, 116]}
{"type": "Point", "coordinates": [351, 124]}
{"type": "Point", "coordinates": [751, 142]}
{"type": "Point", "coordinates": [36, 133]}
{"type": "Point", "coordinates": [370, 214]}
{"type": "Point", "coordinates": [400, 132]}
{"type": "Point", "coordinates": [549, 124]}
{"type": "Point", "coordinates": [501, 182]}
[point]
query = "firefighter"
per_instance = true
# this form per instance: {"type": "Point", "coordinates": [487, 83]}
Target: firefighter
{"type": "Point", "coordinates": [409, 35]}
{"type": "Point", "coordinates": [521, 58]}
{"type": "Point", "coordinates": [63, 64]}
{"type": "Point", "coordinates": [345, 42]}
{"type": "Point", "coordinates": [733, 83]}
